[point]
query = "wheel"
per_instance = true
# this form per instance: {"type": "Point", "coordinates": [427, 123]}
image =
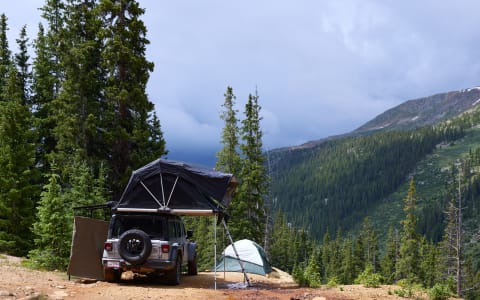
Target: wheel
{"type": "Point", "coordinates": [135, 246]}
{"type": "Point", "coordinates": [111, 275]}
{"type": "Point", "coordinates": [192, 266]}
{"type": "Point", "coordinates": [174, 276]}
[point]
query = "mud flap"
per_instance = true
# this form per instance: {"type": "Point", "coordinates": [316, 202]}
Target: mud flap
{"type": "Point", "coordinates": [88, 238]}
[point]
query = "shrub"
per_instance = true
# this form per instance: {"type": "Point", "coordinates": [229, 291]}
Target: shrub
{"type": "Point", "coordinates": [368, 278]}
{"type": "Point", "coordinates": [439, 292]}
{"type": "Point", "coordinates": [333, 282]}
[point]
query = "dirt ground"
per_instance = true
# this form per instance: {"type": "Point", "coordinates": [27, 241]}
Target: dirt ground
{"type": "Point", "coordinates": [18, 282]}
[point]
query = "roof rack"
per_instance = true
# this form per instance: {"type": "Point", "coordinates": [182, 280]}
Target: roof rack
{"type": "Point", "coordinates": [89, 210]}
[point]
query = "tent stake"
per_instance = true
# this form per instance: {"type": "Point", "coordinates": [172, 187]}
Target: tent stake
{"type": "Point", "coordinates": [245, 277]}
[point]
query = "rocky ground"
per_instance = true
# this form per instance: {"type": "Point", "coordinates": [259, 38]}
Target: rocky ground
{"type": "Point", "coordinates": [18, 282]}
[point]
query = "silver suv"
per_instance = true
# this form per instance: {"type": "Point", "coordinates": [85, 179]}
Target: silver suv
{"type": "Point", "coordinates": [153, 244]}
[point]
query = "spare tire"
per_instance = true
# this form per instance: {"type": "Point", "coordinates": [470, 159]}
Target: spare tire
{"type": "Point", "coordinates": [135, 246]}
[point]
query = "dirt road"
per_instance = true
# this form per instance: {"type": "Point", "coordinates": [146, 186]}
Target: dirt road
{"type": "Point", "coordinates": [18, 282]}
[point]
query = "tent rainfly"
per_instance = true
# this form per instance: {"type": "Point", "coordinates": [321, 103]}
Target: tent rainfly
{"type": "Point", "coordinates": [165, 185]}
{"type": "Point", "coordinates": [250, 253]}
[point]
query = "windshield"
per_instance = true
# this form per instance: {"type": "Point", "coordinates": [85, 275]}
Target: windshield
{"type": "Point", "coordinates": [151, 225]}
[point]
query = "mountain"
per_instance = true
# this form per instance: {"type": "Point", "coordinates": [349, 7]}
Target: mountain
{"type": "Point", "coordinates": [332, 184]}
{"type": "Point", "coordinates": [424, 111]}
{"type": "Point", "coordinates": [411, 114]}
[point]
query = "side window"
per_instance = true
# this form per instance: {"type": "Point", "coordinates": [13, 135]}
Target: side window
{"type": "Point", "coordinates": [171, 228]}
{"type": "Point", "coordinates": [182, 226]}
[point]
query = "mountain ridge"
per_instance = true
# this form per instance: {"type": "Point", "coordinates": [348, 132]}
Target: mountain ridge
{"type": "Point", "coordinates": [413, 113]}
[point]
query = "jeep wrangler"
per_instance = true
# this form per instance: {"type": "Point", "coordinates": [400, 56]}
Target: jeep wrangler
{"type": "Point", "coordinates": [151, 244]}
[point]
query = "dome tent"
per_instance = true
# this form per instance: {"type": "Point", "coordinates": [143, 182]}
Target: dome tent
{"type": "Point", "coordinates": [251, 255]}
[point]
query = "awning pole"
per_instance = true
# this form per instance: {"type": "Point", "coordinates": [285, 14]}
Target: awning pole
{"type": "Point", "coordinates": [245, 277]}
{"type": "Point", "coordinates": [215, 250]}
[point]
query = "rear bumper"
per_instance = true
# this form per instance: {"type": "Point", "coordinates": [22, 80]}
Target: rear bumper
{"type": "Point", "coordinates": [149, 266]}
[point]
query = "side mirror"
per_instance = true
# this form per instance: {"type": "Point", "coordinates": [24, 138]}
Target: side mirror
{"type": "Point", "coordinates": [189, 234]}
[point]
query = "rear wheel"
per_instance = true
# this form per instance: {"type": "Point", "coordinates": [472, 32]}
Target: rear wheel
{"type": "Point", "coordinates": [111, 275]}
{"type": "Point", "coordinates": [174, 276]}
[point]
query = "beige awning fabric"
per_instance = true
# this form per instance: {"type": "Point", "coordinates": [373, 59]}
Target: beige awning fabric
{"type": "Point", "coordinates": [89, 236]}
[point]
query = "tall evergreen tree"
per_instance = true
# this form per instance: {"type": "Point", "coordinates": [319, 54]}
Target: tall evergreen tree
{"type": "Point", "coordinates": [17, 192]}
{"type": "Point", "coordinates": [23, 66]}
{"type": "Point", "coordinates": [127, 76]}
{"type": "Point", "coordinates": [389, 259]}
{"type": "Point", "coordinates": [370, 242]}
{"type": "Point", "coordinates": [453, 234]}
{"type": "Point", "coordinates": [47, 78]}
{"type": "Point", "coordinates": [348, 273]}
{"type": "Point", "coordinates": [52, 232]}
{"type": "Point", "coordinates": [5, 54]}
{"type": "Point", "coordinates": [407, 266]}
{"type": "Point", "coordinates": [228, 158]}
{"type": "Point", "coordinates": [248, 213]}
{"type": "Point", "coordinates": [76, 110]}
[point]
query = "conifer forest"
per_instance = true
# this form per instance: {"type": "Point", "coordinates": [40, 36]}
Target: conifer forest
{"type": "Point", "coordinates": [372, 208]}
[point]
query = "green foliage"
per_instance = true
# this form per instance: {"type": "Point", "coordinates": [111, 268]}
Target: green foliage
{"type": "Point", "coordinates": [17, 174]}
{"type": "Point", "coordinates": [312, 274]}
{"type": "Point", "coordinates": [389, 259]}
{"type": "Point", "coordinates": [299, 275]}
{"type": "Point", "coordinates": [439, 292]}
{"type": "Point", "coordinates": [368, 278]}
{"type": "Point", "coordinates": [407, 266]}
{"type": "Point", "coordinates": [53, 228]}
{"type": "Point", "coordinates": [248, 212]}
{"type": "Point", "coordinates": [333, 282]}
{"type": "Point", "coordinates": [228, 158]}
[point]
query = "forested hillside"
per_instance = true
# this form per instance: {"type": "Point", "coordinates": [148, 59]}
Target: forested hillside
{"type": "Point", "coordinates": [368, 199]}
{"type": "Point", "coordinates": [338, 182]}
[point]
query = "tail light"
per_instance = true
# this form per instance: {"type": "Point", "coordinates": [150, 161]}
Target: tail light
{"type": "Point", "coordinates": [108, 246]}
{"type": "Point", "coordinates": [165, 248]}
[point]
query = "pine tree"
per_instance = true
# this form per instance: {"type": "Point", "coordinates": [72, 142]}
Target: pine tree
{"type": "Point", "coordinates": [47, 78]}
{"type": "Point", "coordinates": [53, 228]}
{"type": "Point", "coordinates": [453, 234]}
{"type": "Point", "coordinates": [369, 238]}
{"type": "Point", "coordinates": [248, 213]}
{"type": "Point", "coordinates": [127, 75]}
{"type": "Point", "coordinates": [23, 66]}
{"type": "Point", "coordinates": [312, 274]}
{"type": "Point", "coordinates": [407, 266]}
{"type": "Point", "coordinates": [228, 158]}
{"type": "Point", "coordinates": [76, 110]}
{"type": "Point", "coordinates": [281, 254]}
{"type": "Point", "coordinates": [390, 257]}
{"type": "Point", "coordinates": [348, 267]}
{"type": "Point", "coordinates": [5, 54]}
{"type": "Point", "coordinates": [17, 192]}
{"type": "Point", "coordinates": [429, 263]}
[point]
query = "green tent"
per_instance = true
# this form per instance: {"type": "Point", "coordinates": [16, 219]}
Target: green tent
{"type": "Point", "coordinates": [250, 253]}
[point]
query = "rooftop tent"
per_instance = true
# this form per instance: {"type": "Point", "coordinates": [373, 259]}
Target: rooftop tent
{"type": "Point", "coordinates": [250, 253]}
{"type": "Point", "coordinates": [165, 185]}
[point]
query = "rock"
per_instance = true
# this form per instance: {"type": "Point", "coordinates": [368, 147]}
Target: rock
{"type": "Point", "coordinates": [58, 295]}
{"type": "Point", "coordinates": [4, 293]}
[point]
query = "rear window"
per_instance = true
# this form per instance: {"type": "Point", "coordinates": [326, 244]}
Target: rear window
{"type": "Point", "coordinates": [151, 225]}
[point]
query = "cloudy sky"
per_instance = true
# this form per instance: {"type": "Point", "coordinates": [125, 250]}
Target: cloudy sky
{"type": "Point", "coordinates": [320, 67]}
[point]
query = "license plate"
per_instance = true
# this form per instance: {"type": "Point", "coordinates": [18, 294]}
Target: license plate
{"type": "Point", "coordinates": [113, 264]}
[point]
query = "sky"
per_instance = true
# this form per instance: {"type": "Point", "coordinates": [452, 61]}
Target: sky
{"type": "Point", "coordinates": [321, 68]}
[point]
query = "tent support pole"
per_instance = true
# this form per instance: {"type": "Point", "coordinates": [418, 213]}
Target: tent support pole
{"type": "Point", "coordinates": [245, 277]}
